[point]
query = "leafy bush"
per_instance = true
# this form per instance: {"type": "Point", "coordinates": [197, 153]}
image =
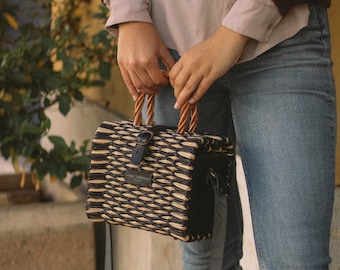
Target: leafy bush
{"type": "Point", "coordinates": [44, 62]}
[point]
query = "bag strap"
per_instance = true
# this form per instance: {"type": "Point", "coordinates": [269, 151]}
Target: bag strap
{"type": "Point", "coordinates": [108, 265]}
{"type": "Point", "coordinates": [187, 111]}
{"type": "Point", "coordinates": [221, 192]}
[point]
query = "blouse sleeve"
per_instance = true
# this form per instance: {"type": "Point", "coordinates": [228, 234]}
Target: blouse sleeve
{"type": "Point", "coordinates": [126, 11]}
{"type": "Point", "coordinates": [253, 18]}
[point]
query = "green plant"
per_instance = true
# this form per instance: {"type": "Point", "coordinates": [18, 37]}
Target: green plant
{"type": "Point", "coordinates": [42, 64]}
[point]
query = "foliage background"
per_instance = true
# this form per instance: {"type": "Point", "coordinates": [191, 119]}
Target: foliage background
{"type": "Point", "coordinates": [48, 59]}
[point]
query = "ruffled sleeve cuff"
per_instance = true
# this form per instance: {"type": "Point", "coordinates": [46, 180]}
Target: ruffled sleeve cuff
{"type": "Point", "coordinates": [122, 11]}
{"type": "Point", "coordinates": [253, 18]}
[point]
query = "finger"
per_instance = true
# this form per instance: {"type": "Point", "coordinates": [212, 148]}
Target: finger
{"type": "Point", "coordinates": [175, 70]}
{"type": "Point", "coordinates": [160, 69]}
{"type": "Point", "coordinates": [152, 92]}
{"type": "Point", "coordinates": [178, 77]}
{"type": "Point", "coordinates": [141, 79]}
{"type": "Point", "coordinates": [129, 84]}
{"type": "Point", "coordinates": [166, 58]}
{"type": "Point", "coordinates": [149, 76]}
{"type": "Point", "coordinates": [188, 91]}
{"type": "Point", "coordinates": [202, 88]}
{"type": "Point", "coordinates": [159, 77]}
{"type": "Point", "coordinates": [185, 80]}
{"type": "Point", "coordinates": [141, 87]}
{"type": "Point", "coordinates": [135, 86]}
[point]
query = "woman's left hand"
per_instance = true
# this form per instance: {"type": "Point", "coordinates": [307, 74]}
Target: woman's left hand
{"type": "Point", "coordinates": [203, 64]}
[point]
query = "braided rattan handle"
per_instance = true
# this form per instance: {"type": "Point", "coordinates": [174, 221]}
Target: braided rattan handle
{"type": "Point", "coordinates": [138, 110]}
{"type": "Point", "coordinates": [187, 110]}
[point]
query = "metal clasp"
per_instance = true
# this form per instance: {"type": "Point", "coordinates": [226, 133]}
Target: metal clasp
{"type": "Point", "coordinates": [221, 183]}
{"type": "Point", "coordinates": [144, 137]}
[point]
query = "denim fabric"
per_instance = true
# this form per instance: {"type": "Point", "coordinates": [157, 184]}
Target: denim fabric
{"type": "Point", "coordinates": [283, 109]}
{"type": "Point", "coordinates": [215, 118]}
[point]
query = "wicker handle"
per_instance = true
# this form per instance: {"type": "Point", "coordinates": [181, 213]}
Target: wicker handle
{"type": "Point", "coordinates": [187, 110]}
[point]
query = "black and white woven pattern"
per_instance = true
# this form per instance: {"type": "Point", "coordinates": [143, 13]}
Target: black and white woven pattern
{"type": "Point", "coordinates": [165, 205]}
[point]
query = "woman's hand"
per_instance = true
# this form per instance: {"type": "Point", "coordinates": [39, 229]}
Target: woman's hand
{"type": "Point", "coordinates": [203, 64]}
{"type": "Point", "coordinates": [139, 51]}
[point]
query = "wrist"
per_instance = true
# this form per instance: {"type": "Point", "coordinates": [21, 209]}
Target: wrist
{"type": "Point", "coordinates": [230, 36]}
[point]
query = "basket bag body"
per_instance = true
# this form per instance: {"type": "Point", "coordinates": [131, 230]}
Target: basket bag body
{"type": "Point", "coordinates": [157, 179]}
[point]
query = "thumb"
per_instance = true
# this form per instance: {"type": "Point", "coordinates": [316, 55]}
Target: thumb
{"type": "Point", "coordinates": [166, 58]}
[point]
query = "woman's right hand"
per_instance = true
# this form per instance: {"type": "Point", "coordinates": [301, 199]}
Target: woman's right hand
{"type": "Point", "coordinates": [139, 51]}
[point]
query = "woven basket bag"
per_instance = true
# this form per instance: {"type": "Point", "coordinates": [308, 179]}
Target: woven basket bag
{"type": "Point", "coordinates": [156, 178]}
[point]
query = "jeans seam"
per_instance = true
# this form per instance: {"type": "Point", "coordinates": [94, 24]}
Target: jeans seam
{"type": "Point", "coordinates": [327, 50]}
{"type": "Point", "coordinates": [331, 91]}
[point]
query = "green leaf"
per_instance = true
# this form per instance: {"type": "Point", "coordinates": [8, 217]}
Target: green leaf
{"type": "Point", "coordinates": [28, 151]}
{"type": "Point", "coordinates": [73, 146]}
{"type": "Point", "coordinates": [48, 43]}
{"type": "Point", "coordinates": [61, 55]}
{"type": "Point", "coordinates": [98, 16]}
{"type": "Point", "coordinates": [45, 125]}
{"type": "Point", "coordinates": [97, 83]}
{"type": "Point", "coordinates": [58, 142]}
{"type": "Point", "coordinates": [21, 78]}
{"type": "Point", "coordinates": [84, 147]}
{"type": "Point", "coordinates": [5, 151]}
{"type": "Point", "coordinates": [61, 171]}
{"type": "Point", "coordinates": [78, 95]}
{"type": "Point", "coordinates": [100, 37]}
{"type": "Point", "coordinates": [53, 82]}
{"type": "Point", "coordinates": [102, 12]}
{"type": "Point", "coordinates": [68, 67]}
{"type": "Point", "coordinates": [105, 70]}
{"type": "Point", "coordinates": [82, 161]}
{"type": "Point", "coordinates": [64, 104]}
{"type": "Point", "coordinates": [30, 128]}
{"type": "Point", "coordinates": [52, 168]}
{"type": "Point", "coordinates": [41, 169]}
{"type": "Point", "coordinates": [76, 181]}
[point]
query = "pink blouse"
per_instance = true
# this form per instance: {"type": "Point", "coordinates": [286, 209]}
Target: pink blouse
{"type": "Point", "coordinates": [185, 23]}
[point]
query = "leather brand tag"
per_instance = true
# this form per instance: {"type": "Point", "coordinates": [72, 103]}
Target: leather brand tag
{"type": "Point", "coordinates": [138, 177]}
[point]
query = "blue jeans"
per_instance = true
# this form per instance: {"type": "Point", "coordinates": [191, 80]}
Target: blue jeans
{"type": "Point", "coordinates": [283, 110]}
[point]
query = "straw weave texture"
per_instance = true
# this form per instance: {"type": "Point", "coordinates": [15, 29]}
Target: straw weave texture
{"type": "Point", "coordinates": [177, 201]}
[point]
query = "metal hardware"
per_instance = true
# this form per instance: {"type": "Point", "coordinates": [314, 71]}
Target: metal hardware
{"type": "Point", "coordinates": [142, 144]}
{"type": "Point", "coordinates": [221, 182]}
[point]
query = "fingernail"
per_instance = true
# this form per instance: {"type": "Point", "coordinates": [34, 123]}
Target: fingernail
{"type": "Point", "coordinates": [191, 101]}
{"type": "Point", "coordinates": [176, 106]}
{"type": "Point", "coordinates": [134, 98]}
